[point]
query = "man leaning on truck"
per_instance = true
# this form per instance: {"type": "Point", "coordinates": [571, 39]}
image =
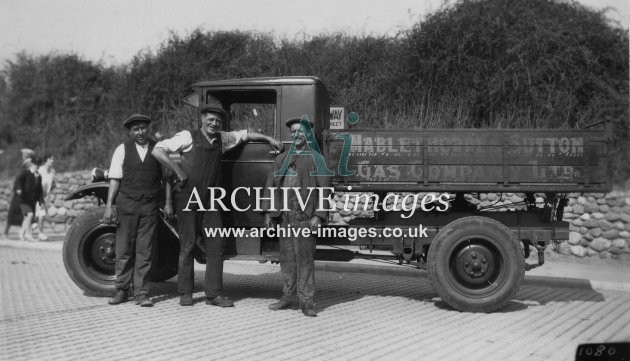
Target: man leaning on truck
{"type": "Point", "coordinates": [201, 152]}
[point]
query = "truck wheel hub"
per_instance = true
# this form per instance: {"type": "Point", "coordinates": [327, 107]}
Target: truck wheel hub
{"type": "Point", "coordinates": [473, 263]}
{"type": "Point", "coordinates": [105, 250]}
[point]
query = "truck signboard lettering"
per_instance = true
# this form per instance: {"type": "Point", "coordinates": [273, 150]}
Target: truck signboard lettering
{"type": "Point", "coordinates": [516, 159]}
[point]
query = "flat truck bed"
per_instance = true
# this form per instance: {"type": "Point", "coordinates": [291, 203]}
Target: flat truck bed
{"type": "Point", "coordinates": [472, 160]}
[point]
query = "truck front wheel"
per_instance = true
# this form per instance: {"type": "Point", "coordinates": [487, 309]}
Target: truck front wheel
{"type": "Point", "coordinates": [89, 254]}
{"type": "Point", "coordinates": [475, 264]}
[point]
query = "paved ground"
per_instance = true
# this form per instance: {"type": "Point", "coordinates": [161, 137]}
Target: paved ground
{"type": "Point", "coordinates": [362, 316]}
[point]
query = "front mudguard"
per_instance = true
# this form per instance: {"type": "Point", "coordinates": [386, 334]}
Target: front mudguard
{"type": "Point", "coordinates": [98, 189]}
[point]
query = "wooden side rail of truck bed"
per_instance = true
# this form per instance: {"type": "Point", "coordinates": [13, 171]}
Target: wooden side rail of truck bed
{"type": "Point", "coordinates": [473, 160]}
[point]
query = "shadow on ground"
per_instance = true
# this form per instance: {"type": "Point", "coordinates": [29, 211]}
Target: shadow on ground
{"type": "Point", "coordinates": [334, 288]}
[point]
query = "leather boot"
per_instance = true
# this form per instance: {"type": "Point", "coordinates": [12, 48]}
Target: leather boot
{"type": "Point", "coordinates": [220, 301]}
{"type": "Point", "coordinates": [144, 301]}
{"type": "Point", "coordinates": [119, 297]}
{"type": "Point", "coordinates": [282, 304]}
{"type": "Point", "coordinates": [309, 311]}
{"type": "Point", "coordinates": [186, 299]}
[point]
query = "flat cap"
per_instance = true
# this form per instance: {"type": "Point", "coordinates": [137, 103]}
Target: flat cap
{"type": "Point", "coordinates": [214, 109]}
{"type": "Point", "coordinates": [292, 121]}
{"type": "Point", "coordinates": [136, 118]}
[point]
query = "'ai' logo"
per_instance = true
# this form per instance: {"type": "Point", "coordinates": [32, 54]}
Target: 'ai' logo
{"type": "Point", "coordinates": [314, 151]}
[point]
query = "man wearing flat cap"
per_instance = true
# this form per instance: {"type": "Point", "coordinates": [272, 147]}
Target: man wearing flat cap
{"type": "Point", "coordinates": [201, 151]}
{"type": "Point", "coordinates": [135, 182]}
{"type": "Point", "coordinates": [297, 253]}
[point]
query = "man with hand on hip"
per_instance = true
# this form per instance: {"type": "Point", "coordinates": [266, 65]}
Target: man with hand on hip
{"type": "Point", "coordinates": [201, 152]}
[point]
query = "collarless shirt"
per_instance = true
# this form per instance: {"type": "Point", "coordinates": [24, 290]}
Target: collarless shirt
{"type": "Point", "coordinates": [115, 168]}
{"type": "Point", "coordinates": [182, 142]}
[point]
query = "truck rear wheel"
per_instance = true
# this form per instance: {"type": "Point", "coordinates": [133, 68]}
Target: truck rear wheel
{"type": "Point", "coordinates": [475, 264]}
{"type": "Point", "coordinates": [89, 254]}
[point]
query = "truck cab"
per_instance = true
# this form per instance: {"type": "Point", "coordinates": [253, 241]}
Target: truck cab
{"type": "Point", "coordinates": [261, 105]}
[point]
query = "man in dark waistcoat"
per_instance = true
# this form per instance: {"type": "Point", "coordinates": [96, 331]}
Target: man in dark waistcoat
{"type": "Point", "coordinates": [201, 152]}
{"type": "Point", "coordinates": [297, 253]}
{"type": "Point", "coordinates": [135, 182]}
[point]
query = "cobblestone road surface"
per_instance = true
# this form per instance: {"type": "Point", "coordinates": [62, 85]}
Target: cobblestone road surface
{"type": "Point", "coordinates": [361, 317]}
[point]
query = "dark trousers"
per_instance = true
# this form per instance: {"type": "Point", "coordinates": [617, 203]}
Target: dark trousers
{"type": "Point", "coordinates": [297, 265]}
{"type": "Point", "coordinates": [191, 226]}
{"type": "Point", "coordinates": [135, 243]}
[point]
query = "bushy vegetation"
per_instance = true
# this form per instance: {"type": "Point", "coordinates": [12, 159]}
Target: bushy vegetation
{"type": "Point", "coordinates": [486, 63]}
{"type": "Point", "coordinates": [514, 63]}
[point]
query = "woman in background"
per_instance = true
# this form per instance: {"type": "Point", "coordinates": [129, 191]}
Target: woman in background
{"type": "Point", "coordinates": [47, 173]}
{"type": "Point", "coordinates": [29, 188]}
{"type": "Point", "coordinates": [14, 217]}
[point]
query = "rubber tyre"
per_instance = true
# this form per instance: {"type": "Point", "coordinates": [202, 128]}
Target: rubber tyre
{"type": "Point", "coordinates": [88, 255]}
{"type": "Point", "coordinates": [492, 283]}
{"type": "Point", "coordinates": [166, 264]}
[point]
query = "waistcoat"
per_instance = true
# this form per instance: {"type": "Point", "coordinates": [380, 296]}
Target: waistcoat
{"type": "Point", "coordinates": [140, 179]}
{"type": "Point", "coordinates": [202, 164]}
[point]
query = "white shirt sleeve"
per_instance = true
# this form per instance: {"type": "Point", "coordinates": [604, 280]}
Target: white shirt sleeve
{"type": "Point", "coordinates": [179, 143]}
{"type": "Point", "coordinates": [230, 140]}
{"type": "Point", "coordinates": [115, 168]}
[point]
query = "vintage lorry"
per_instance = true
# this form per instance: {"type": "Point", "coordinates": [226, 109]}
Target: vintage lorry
{"type": "Point", "coordinates": [475, 257]}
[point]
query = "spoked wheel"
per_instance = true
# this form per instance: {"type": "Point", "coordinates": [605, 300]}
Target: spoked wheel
{"type": "Point", "coordinates": [475, 264]}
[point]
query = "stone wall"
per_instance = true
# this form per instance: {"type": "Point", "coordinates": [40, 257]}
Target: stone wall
{"type": "Point", "coordinates": [599, 223]}
{"type": "Point", "coordinates": [61, 212]}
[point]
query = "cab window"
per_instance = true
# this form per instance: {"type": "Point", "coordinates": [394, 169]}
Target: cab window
{"type": "Point", "coordinates": [259, 118]}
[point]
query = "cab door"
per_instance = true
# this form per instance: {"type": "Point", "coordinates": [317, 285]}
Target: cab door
{"type": "Point", "coordinates": [247, 166]}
